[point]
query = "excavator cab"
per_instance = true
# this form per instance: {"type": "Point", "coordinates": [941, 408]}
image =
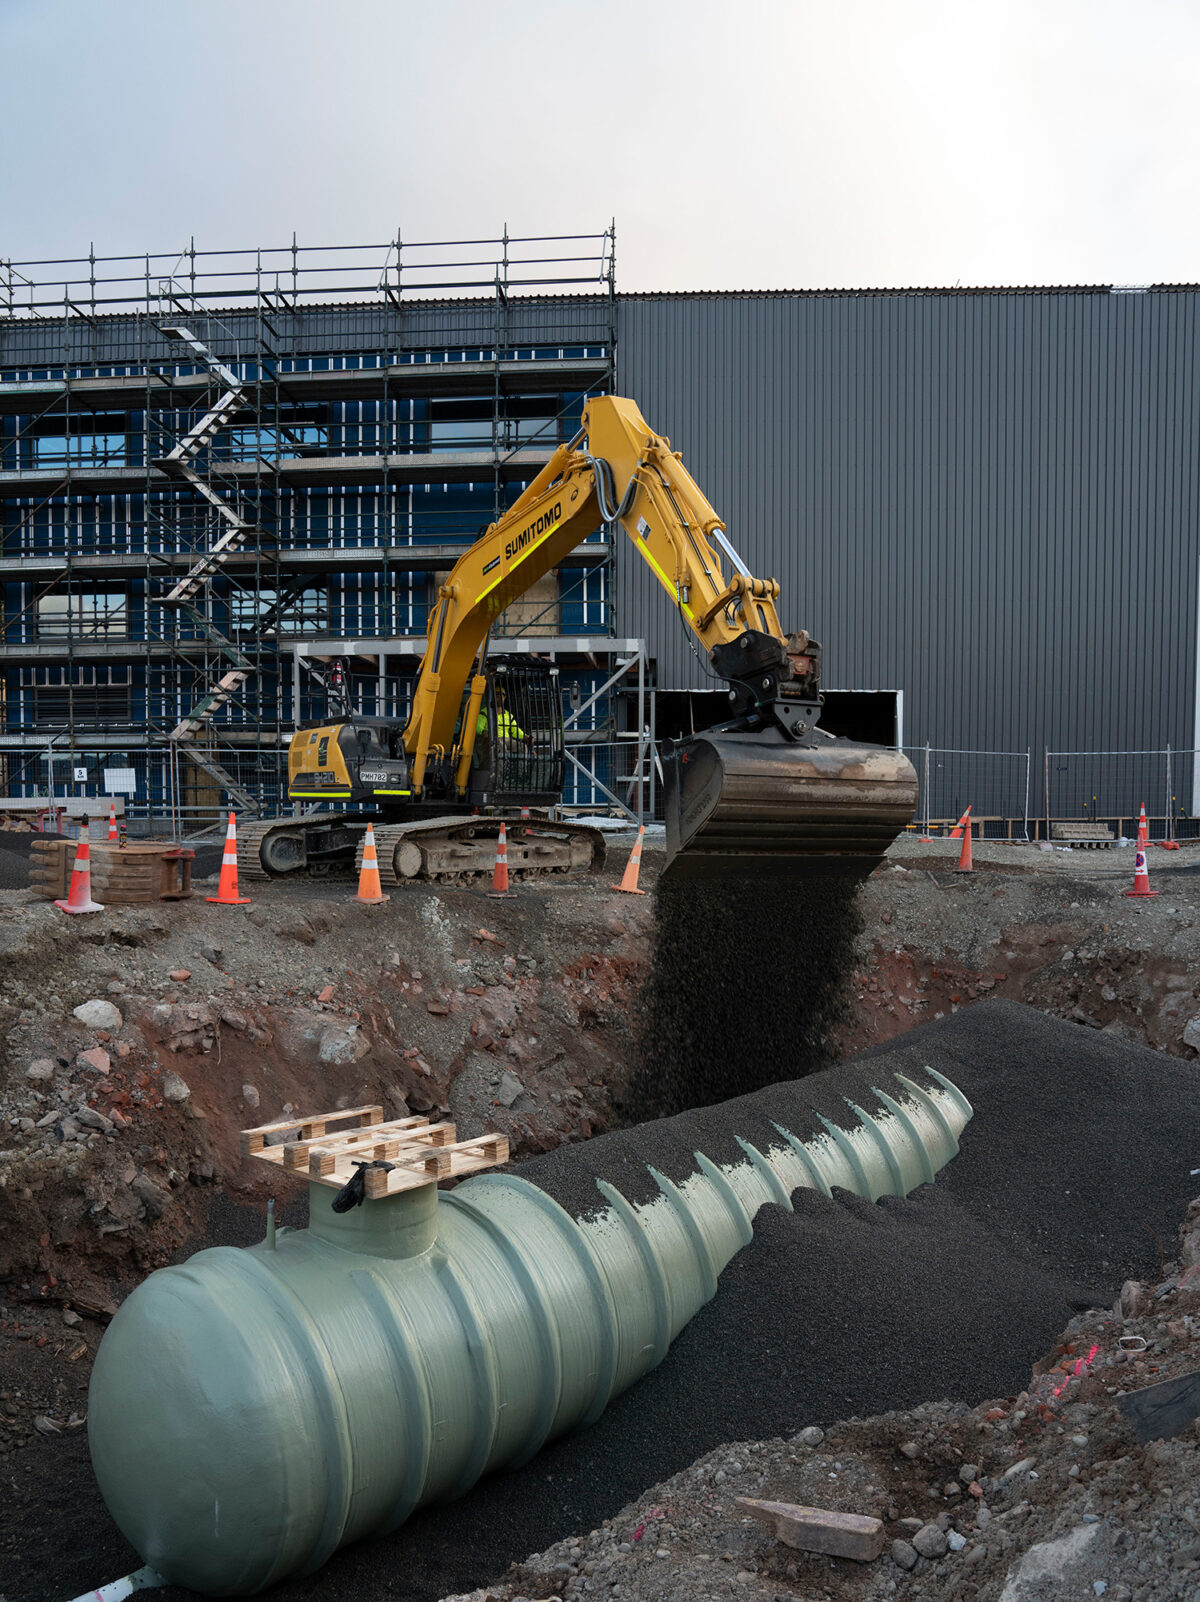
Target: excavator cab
{"type": "Point", "coordinates": [518, 757]}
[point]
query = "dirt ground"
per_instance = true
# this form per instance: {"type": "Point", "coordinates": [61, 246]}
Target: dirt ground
{"type": "Point", "coordinates": [118, 1140]}
{"type": "Point", "coordinates": [1045, 1496]}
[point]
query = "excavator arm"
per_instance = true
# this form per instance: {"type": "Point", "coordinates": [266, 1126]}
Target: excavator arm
{"type": "Point", "coordinates": [767, 789]}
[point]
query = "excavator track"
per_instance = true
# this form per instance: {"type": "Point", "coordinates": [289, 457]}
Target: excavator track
{"type": "Point", "coordinates": [249, 848]}
{"type": "Point", "coordinates": [458, 850]}
{"type": "Point", "coordinates": [449, 850]}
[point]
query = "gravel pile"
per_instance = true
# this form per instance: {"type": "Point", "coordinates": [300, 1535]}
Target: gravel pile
{"type": "Point", "coordinates": [14, 858]}
{"type": "Point", "coordinates": [1075, 1165]}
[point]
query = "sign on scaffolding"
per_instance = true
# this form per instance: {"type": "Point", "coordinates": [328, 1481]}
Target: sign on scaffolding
{"type": "Point", "coordinates": [120, 781]}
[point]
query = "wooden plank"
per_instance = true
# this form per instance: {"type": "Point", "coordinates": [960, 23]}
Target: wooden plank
{"type": "Point", "coordinates": [295, 1153]}
{"type": "Point", "coordinates": [253, 1141]}
{"type": "Point", "coordinates": [355, 1146]}
{"type": "Point", "coordinates": [818, 1529]}
{"type": "Point", "coordinates": [325, 1160]}
{"type": "Point", "coordinates": [413, 1164]}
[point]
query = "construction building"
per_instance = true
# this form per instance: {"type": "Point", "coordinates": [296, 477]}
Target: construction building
{"type": "Point", "coordinates": [231, 482]}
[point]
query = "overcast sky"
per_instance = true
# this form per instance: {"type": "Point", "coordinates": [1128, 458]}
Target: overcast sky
{"type": "Point", "coordinates": [738, 143]}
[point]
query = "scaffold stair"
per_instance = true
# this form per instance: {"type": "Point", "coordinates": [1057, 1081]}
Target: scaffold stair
{"type": "Point", "coordinates": [202, 353]}
{"type": "Point", "coordinates": [204, 570]}
{"type": "Point", "coordinates": [178, 462]}
{"type": "Point", "coordinates": [220, 695]}
{"type": "Point", "coordinates": [232, 681]}
{"type": "Point", "coordinates": [210, 765]}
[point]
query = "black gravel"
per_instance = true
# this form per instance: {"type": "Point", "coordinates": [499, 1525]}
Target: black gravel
{"type": "Point", "coordinates": [748, 982]}
{"type": "Point", "coordinates": [1075, 1166]}
{"type": "Point", "coordinates": [14, 857]}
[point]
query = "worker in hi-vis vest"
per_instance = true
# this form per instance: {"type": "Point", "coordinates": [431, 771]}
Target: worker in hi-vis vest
{"type": "Point", "coordinates": [508, 731]}
{"type": "Point", "coordinates": [507, 727]}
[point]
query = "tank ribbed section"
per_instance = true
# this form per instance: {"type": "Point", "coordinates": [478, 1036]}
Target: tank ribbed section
{"type": "Point", "coordinates": [324, 1389]}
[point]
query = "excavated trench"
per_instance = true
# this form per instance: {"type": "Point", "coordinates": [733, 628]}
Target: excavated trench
{"type": "Point", "coordinates": [443, 1004]}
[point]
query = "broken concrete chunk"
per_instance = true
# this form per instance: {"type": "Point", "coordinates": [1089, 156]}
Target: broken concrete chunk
{"type": "Point", "coordinates": [343, 1045]}
{"type": "Point", "coordinates": [175, 1088]}
{"type": "Point", "coordinates": [509, 1088]}
{"type": "Point", "coordinates": [97, 1059]}
{"type": "Point", "coordinates": [930, 1541]}
{"type": "Point", "coordinates": [149, 1194]}
{"type": "Point", "coordinates": [1191, 1033]}
{"type": "Point", "coordinates": [818, 1529]}
{"type": "Point", "coordinates": [98, 1015]}
{"type": "Point", "coordinates": [1049, 1568]}
{"type": "Point", "coordinates": [91, 1119]}
{"type": "Point", "coordinates": [40, 1068]}
{"type": "Point", "coordinates": [250, 1095]}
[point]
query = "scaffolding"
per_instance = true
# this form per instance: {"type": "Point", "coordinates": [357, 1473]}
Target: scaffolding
{"type": "Point", "coordinates": [200, 450]}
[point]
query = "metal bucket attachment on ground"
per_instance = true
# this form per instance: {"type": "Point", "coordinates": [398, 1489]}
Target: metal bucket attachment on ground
{"type": "Point", "coordinates": [740, 804]}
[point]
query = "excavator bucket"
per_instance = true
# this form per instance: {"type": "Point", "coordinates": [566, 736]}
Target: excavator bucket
{"type": "Point", "coordinates": [740, 804]}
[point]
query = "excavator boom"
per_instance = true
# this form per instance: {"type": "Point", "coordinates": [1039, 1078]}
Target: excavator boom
{"type": "Point", "coordinates": [766, 792]}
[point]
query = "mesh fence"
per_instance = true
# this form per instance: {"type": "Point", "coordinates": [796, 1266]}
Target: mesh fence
{"type": "Point", "coordinates": [994, 784]}
{"type": "Point", "coordinates": [614, 776]}
{"type": "Point", "coordinates": [1109, 788]}
{"type": "Point", "coordinates": [166, 793]}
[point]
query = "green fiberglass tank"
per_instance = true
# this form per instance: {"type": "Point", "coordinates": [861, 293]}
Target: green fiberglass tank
{"type": "Point", "coordinates": [253, 1410]}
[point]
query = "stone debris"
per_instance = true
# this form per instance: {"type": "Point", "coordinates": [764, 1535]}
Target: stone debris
{"type": "Point", "coordinates": [174, 1088]}
{"type": "Point", "coordinates": [98, 1015]}
{"type": "Point", "coordinates": [509, 1089]}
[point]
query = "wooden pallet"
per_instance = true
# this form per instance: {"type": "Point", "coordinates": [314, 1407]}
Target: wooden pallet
{"type": "Point", "coordinates": [421, 1152]}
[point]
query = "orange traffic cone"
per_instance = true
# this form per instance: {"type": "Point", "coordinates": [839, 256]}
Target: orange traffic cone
{"type": "Point", "coordinates": [80, 897]}
{"type": "Point", "coordinates": [965, 865]}
{"type": "Point", "coordinates": [629, 878]}
{"type": "Point", "coordinates": [1141, 879]}
{"type": "Point", "coordinates": [1143, 834]}
{"type": "Point", "coordinates": [956, 832]}
{"type": "Point", "coordinates": [369, 888]}
{"type": "Point", "coordinates": [227, 885]}
{"type": "Point", "coordinates": [113, 836]}
{"type": "Point", "coordinates": [500, 872]}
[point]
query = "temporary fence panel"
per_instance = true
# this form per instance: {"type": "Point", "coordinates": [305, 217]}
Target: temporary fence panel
{"type": "Point", "coordinates": [168, 794]}
{"type": "Point", "coordinates": [994, 784]}
{"type": "Point", "coordinates": [1109, 788]}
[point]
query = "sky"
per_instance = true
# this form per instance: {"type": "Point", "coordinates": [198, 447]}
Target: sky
{"type": "Point", "coordinates": [738, 144]}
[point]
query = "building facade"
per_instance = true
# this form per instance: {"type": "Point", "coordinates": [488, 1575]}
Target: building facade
{"type": "Point", "coordinates": [230, 486]}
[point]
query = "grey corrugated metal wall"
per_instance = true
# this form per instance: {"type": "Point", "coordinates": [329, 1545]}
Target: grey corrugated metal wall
{"type": "Point", "coordinates": [986, 500]}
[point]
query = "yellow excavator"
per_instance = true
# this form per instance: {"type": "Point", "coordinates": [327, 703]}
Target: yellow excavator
{"type": "Point", "coordinates": [765, 792]}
